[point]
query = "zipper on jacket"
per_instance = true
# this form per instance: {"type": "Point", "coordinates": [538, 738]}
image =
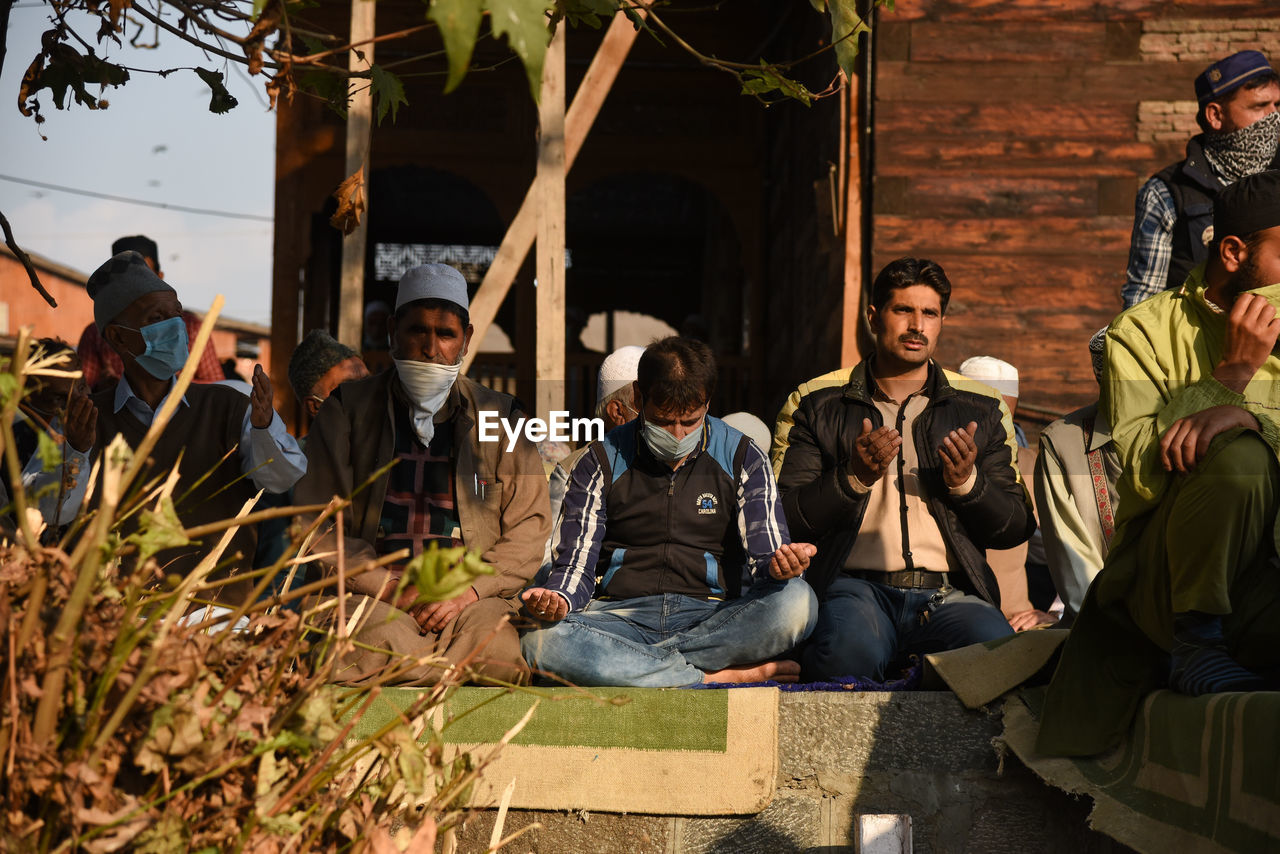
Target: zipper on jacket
{"type": "Point", "coordinates": [902, 491]}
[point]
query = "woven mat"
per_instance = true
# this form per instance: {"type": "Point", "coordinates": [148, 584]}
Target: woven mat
{"type": "Point", "coordinates": [1197, 774]}
{"type": "Point", "coordinates": [635, 750]}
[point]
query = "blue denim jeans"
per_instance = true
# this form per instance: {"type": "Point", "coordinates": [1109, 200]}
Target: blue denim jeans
{"type": "Point", "coordinates": [864, 626]}
{"type": "Point", "coordinates": [669, 640]}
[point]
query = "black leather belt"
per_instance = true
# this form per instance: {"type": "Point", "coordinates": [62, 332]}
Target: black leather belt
{"type": "Point", "coordinates": [904, 578]}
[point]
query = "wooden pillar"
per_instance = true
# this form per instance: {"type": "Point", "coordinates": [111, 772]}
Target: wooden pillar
{"type": "Point", "coordinates": [359, 133]}
{"type": "Point", "coordinates": [549, 365]}
{"type": "Point", "coordinates": [577, 123]}
{"type": "Point", "coordinates": [854, 137]}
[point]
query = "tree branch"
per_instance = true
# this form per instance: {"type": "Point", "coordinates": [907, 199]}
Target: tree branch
{"type": "Point", "coordinates": [24, 259]}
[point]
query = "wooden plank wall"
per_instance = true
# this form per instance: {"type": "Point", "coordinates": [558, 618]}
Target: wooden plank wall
{"type": "Point", "coordinates": [1008, 147]}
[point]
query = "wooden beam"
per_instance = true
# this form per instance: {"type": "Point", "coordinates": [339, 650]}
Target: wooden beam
{"type": "Point", "coordinates": [853, 135]}
{"type": "Point", "coordinates": [549, 364]}
{"type": "Point", "coordinates": [520, 234]}
{"type": "Point", "coordinates": [359, 132]}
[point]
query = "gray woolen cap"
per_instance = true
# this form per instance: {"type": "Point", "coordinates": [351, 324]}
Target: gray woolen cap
{"type": "Point", "coordinates": [116, 284]}
{"type": "Point", "coordinates": [313, 358]}
{"type": "Point", "coordinates": [433, 281]}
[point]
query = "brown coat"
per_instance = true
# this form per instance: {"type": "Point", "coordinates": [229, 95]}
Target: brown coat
{"type": "Point", "coordinates": [353, 437]}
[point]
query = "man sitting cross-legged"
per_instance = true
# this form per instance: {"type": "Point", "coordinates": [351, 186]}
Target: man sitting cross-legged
{"type": "Point", "coordinates": [665, 512]}
{"type": "Point", "coordinates": [904, 474]}
{"type": "Point", "coordinates": [1189, 592]}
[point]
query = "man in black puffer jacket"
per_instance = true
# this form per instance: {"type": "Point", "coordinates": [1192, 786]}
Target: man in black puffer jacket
{"type": "Point", "coordinates": [903, 474]}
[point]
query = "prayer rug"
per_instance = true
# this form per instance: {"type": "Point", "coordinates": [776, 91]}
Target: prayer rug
{"type": "Point", "coordinates": [1196, 773]}
{"type": "Point", "coordinates": [635, 750]}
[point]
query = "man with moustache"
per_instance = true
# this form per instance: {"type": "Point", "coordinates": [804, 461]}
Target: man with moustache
{"type": "Point", "coordinates": [1238, 96]}
{"type": "Point", "coordinates": [404, 445]}
{"type": "Point", "coordinates": [1189, 591]}
{"type": "Point", "coordinates": [902, 474]}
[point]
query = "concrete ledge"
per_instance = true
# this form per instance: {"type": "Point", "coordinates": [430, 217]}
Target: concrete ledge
{"type": "Point", "coordinates": [841, 755]}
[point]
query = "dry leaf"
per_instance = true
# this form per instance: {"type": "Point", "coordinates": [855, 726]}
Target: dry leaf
{"type": "Point", "coordinates": [350, 196]}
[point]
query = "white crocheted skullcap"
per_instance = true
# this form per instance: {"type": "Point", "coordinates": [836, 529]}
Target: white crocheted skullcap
{"type": "Point", "coordinates": [433, 281]}
{"type": "Point", "coordinates": [1000, 375]}
{"type": "Point", "coordinates": [618, 369]}
{"type": "Point", "coordinates": [753, 427]}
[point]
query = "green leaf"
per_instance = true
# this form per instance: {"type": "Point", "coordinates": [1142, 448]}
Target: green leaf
{"type": "Point", "coordinates": [8, 386]}
{"type": "Point", "coordinates": [439, 574]}
{"type": "Point", "coordinates": [818, 5]}
{"type": "Point", "coordinates": [388, 92]}
{"type": "Point", "coordinates": [846, 27]}
{"type": "Point", "coordinates": [220, 101]}
{"type": "Point", "coordinates": [590, 12]}
{"type": "Point", "coordinates": [158, 529]}
{"type": "Point", "coordinates": [331, 87]}
{"type": "Point", "coordinates": [524, 23]}
{"type": "Point", "coordinates": [767, 78]}
{"type": "Point", "coordinates": [459, 23]}
{"type": "Point", "coordinates": [49, 451]}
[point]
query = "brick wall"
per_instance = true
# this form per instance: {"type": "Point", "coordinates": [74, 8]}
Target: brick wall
{"type": "Point", "coordinates": [1011, 137]}
{"type": "Point", "coordinates": [20, 305]}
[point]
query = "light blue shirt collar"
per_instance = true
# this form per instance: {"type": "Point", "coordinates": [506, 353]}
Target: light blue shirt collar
{"type": "Point", "coordinates": [137, 406]}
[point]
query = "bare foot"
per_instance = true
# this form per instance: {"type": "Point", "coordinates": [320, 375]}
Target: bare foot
{"type": "Point", "coordinates": [777, 671]}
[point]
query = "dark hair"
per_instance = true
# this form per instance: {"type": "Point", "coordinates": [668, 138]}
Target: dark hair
{"type": "Point", "coordinates": [906, 272]}
{"type": "Point", "coordinates": [677, 374]}
{"type": "Point", "coordinates": [1267, 79]}
{"type": "Point", "coordinates": [54, 346]}
{"type": "Point", "coordinates": [448, 305]}
{"type": "Point", "coordinates": [140, 243]}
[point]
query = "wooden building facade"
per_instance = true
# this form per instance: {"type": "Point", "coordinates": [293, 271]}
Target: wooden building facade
{"type": "Point", "coordinates": [1005, 139]}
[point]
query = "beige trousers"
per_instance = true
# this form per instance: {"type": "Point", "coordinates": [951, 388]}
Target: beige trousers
{"type": "Point", "coordinates": [390, 643]}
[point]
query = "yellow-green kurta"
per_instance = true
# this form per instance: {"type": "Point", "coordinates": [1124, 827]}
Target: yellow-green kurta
{"type": "Point", "coordinates": [1160, 357]}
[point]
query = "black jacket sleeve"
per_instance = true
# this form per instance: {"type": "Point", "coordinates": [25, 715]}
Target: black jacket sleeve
{"type": "Point", "coordinates": [996, 513]}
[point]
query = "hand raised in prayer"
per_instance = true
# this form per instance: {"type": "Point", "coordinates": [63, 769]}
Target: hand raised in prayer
{"type": "Point", "coordinates": [873, 451]}
{"type": "Point", "coordinates": [434, 616]}
{"type": "Point", "coordinates": [791, 560]}
{"type": "Point", "coordinates": [1187, 441]}
{"type": "Point", "coordinates": [958, 452]}
{"type": "Point", "coordinates": [1252, 329]}
{"type": "Point", "coordinates": [546, 605]}
{"type": "Point", "coordinates": [81, 421]}
{"type": "Point", "coordinates": [261, 403]}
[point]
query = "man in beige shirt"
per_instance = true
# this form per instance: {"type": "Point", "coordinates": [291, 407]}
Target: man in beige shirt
{"type": "Point", "coordinates": [903, 474]}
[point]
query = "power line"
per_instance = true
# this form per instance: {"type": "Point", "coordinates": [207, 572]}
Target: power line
{"type": "Point", "coordinates": [128, 201]}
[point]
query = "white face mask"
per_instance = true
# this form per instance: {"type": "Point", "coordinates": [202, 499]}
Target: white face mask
{"type": "Point", "coordinates": [427, 385]}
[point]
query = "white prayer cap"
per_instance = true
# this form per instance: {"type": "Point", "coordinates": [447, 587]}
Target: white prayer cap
{"type": "Point", "coordinates": [754, 428]}
{"type": "Point", "coordinates": [618, 369]}
{"type": "Point", "coordinates": [433, 281]}
{"type": "Point", "coordinates": [1001, 376]}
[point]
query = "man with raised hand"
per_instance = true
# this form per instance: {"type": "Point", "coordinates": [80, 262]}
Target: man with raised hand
{"type": "Point", "coordinates": [446, 486]}
{"type": "Point", "coordinates": [903, 474]}
{"type": "Point", "coordinates": [224, 445]}
{"type": "Point", "coordinates": [1189, 592]}
{"type": "Point", "coordinates": [658, 522]}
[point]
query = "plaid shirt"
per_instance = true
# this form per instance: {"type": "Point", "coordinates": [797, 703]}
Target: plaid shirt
{"type": "Point", "coordinates": [1151, 246]}
{"type": "Point", "coordinates": [421, 504]}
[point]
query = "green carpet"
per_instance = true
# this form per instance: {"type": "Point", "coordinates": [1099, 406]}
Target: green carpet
{"type": "Point", "coordinates": [636, 718]}
{"type": "Point", "coordinates": [629, 750]}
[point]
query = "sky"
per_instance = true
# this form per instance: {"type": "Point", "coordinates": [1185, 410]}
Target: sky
{"type": "Point", "coordinates": [156, 142]}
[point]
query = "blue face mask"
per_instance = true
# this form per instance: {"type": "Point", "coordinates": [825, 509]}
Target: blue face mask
{"type": "Point", "coordinates": [166, 350]}
{"type": "Point", "coordinates": [666, 447]}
